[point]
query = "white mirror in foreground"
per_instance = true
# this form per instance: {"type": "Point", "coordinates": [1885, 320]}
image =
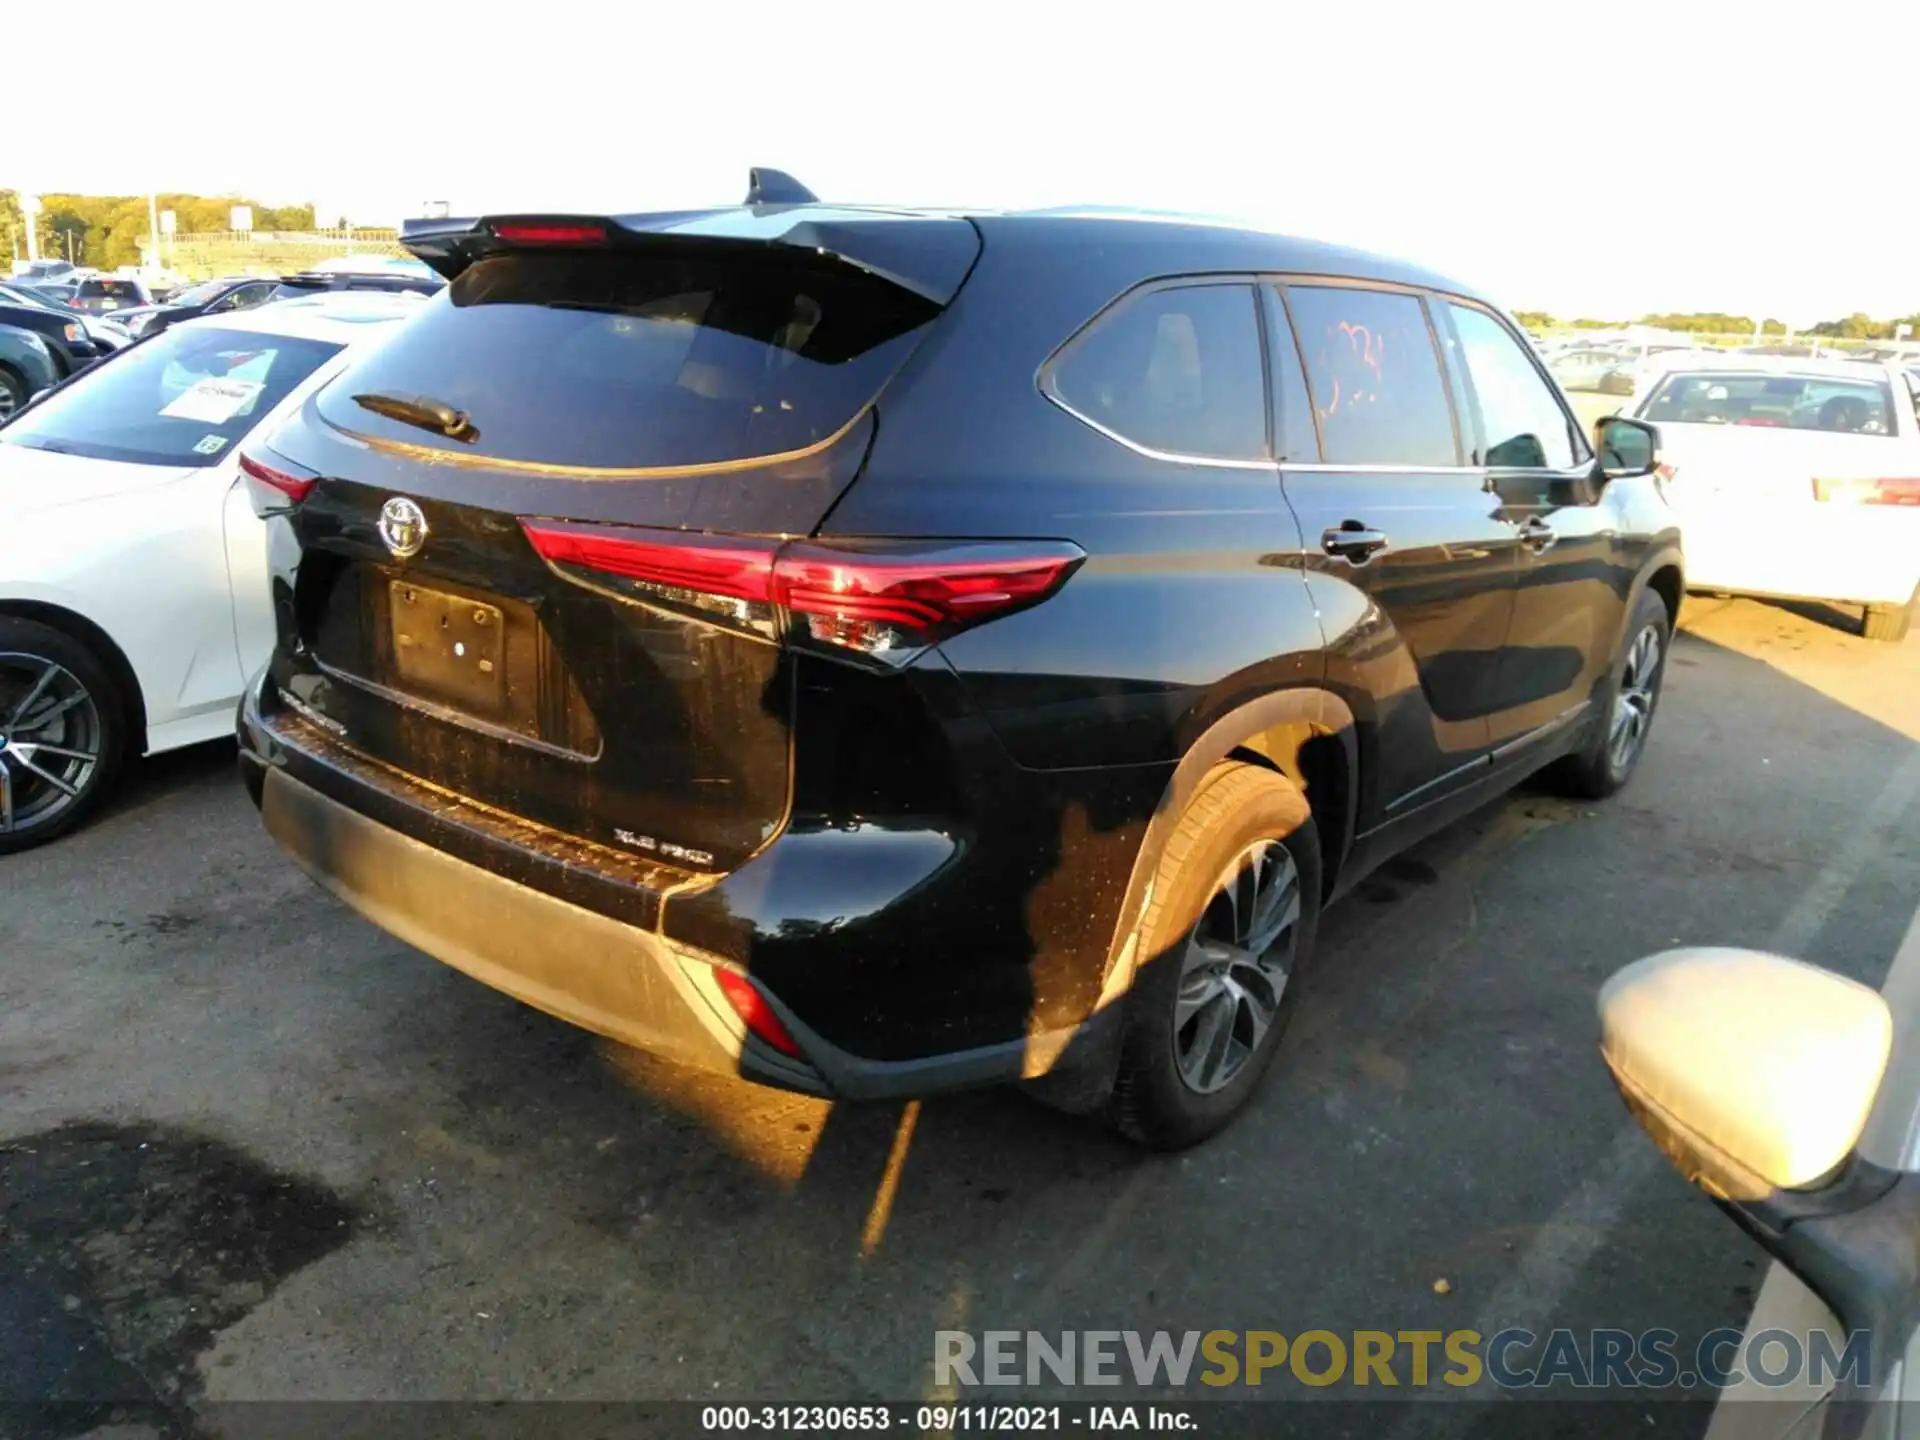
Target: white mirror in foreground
{"type": "Point", "coordinates": [1753, 1072]}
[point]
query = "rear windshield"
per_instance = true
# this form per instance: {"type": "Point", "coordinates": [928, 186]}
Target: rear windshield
{"type": "Point", "coordinates": [111, 289]}
{"type": "Point", "coordinates": [1777, 402]}
{"type": "Point", "coordinates": [185, 397]}
{"type": "Point", "coordinates": [608, 361]}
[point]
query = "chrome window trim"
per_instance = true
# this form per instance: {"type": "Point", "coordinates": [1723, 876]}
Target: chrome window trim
{"type": "Point", "coordinates": [1322, 466]}
{"type": "Point", "coordinates": [1246, 280]}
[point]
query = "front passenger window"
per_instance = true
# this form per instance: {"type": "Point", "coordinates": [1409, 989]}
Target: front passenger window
{"type": "Point", "coordinates": [1176, 370]}
{"type": "Point", "coordinates": [1525, 426]}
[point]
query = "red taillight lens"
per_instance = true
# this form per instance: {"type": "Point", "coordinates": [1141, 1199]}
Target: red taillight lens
{"type": "Point", "coordinates": [752, 1007]}
{"type": "Point", "coordinates": [1868, 492]}
{"type": "Point", "coordinates": [285, 480]}
{"type": "Point", "coordinates": [881, 598]}
{"type": "Point", "coordinates": [711, 564]}
{"type": "Point", "coordinates": [898, 597]}
{"type": "Point", "coordinates": [556, 234]}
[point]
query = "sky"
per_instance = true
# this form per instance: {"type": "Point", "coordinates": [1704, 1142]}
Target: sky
{"type": "Point", "coordinates": [1611, 159]}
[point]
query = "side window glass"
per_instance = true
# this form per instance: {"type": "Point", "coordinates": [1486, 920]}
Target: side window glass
{"type": "Point", "coordinates": [1294, 435]}
{"type": "Point", "coordinates": [1374, 376]}
{"type": "Point", "coordinates": [1523, 422]}
{"type": "Point", "coordinates": [251, 295]}
{"type": "Point", "coordinates": [1177, 370]}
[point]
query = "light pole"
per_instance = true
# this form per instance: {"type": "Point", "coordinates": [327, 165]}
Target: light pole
{"type": "Point", "coordinates": [153, 232]}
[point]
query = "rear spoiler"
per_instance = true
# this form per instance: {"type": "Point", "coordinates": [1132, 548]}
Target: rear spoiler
{"type": "Point", "coordinates": [927, 255]}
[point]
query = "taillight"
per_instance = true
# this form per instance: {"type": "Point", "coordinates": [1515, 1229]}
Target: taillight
{"type": "Point", "coordinates": [752, 1007]}
{"type": "Point", "coordinates": [891, 596]}
{"type": "Point", "coordinates": [721, 576]}
{"type": "Point", "coordinates": [883, 598]}
{"type": "Point", "coordinates": [551, 234]}
{"type": "Point", "coordinates": [1868, 492]}
{"type": "Point", "coordinates": [281, 482]}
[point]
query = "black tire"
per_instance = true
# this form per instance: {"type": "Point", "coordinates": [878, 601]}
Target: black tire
{"type": "Point", "coordinates": [1235, 811]}
{"type": "Point", "coordinates": [13, 392]}
{"type": "Point", "coordinates": [1600, 767]}
{"type": "Point", "coordinates": [79, 710]}
{"type": "Point", "coordinates": [1889, 622]}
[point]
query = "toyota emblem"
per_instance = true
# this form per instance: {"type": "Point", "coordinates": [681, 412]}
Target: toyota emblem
{"type": "Point", "coordinates": [403, 527]}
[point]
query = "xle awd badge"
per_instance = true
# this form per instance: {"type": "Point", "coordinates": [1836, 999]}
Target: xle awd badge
{"type": "Point", "coordinates": [403, 527]}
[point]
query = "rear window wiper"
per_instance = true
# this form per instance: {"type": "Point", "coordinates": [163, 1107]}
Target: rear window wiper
{"type": "Point", "coordinates": [423, 411]}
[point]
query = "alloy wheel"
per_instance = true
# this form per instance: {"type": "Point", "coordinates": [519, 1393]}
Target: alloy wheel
{"type": "Point", "coordinates": [1235, 965]}
{"type": "Point", "coordinates": [50, 741]}
{"type": "Point", "coordinates": [1633, 706]}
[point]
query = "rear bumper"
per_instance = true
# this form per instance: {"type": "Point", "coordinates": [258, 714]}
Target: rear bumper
{"type": "Point", "coordinates": [458, 899]}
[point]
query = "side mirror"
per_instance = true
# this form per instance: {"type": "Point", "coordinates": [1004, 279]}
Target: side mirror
{"type": "Point", "coordinates": [1755, 1075]}
{"type": "Point", "coordinates": [1626, 448]}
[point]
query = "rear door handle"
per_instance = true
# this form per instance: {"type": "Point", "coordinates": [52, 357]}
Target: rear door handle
{"type": "Point", "coordinates": [1353, 542]}
{"type": "Point", "coordinates": [1537, 535]}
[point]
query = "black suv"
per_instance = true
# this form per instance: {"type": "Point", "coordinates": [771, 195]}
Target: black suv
{"type": "Point", "coordinates": [877, 653]}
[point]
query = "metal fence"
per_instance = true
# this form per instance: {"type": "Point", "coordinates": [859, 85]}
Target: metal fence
{"type": "Point", "coordinates": [204, 254]}
{"type": "Point", "coordinates": [1812, 345]}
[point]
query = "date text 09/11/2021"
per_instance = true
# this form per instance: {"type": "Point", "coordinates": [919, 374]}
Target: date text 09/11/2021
{"type": "Point", "coordinates": [936, 1419]}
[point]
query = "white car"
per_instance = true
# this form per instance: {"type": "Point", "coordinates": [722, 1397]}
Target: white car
{"type": "Point", "coordinates": [134, 597]}
{"type": "Point", "coordinates": [1794, 478]}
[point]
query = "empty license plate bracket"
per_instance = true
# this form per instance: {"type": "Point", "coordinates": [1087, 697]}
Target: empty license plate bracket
{"type": "Point", "coordinates": [448, 648]}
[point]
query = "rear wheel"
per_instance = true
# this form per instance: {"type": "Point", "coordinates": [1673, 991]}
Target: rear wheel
{"type": "Point", "coordinates": [1236, 901]}
{"type": "Point", "coordinates": [1627, 703]}
{"type": "Point", "coordinates": [13, 393]}
{"type": "Point", "coordinates": [62, 733]}
{"type": "Point", "coordinates": [1889, 622]}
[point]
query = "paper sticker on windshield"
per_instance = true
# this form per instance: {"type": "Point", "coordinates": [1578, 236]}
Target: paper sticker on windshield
{"type": "Point", "coordinates": [211, 445]}
{"type": "Point", "coordinates": [214, 400]}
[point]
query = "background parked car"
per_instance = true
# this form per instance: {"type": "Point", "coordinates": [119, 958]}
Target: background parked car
{"type": "Point", "coordinates": [64, 331]}
{"type": "Point", "coordinates": [42, 271]}
{"type": "Point", "coordinates": [26, 368]}
{"type": "Point", "coordinates": [1772, 462]}
{"type": "Point", "coordinates": [107, 334]}
{"type": "Point", "coordinates": [211, 297]}
{"type": "Point", "coordinates": [417, 280]}
{"type": "Point", "coordinates": [122, 524]}
{"type": "Point", "coordinates": [100, 294]}
{"type": "Point", "coordinates": [1584, 369]}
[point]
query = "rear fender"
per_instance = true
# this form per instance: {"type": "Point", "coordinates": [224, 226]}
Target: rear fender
{"type": "Point", "coordinates": [1275, 729]}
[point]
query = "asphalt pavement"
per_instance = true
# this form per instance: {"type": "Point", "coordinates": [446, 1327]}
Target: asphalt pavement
{"type": "Point", "coordinates": [251, 1148]}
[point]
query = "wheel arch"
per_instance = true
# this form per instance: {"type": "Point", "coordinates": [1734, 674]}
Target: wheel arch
{"type": "Point", "coordinates": [1666, 577]}
{"type": "Point", "coordinates": [86, 632]}
{"type": "Point", "coordinates": [1305, 733]}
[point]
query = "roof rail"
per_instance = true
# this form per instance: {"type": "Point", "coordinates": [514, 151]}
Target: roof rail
{"type": "Point", "coordinates": [776, 187]}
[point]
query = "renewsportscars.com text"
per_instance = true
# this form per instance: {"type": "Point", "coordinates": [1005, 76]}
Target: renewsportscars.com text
{"type": "Point", "coordinates": [1514, 1359]}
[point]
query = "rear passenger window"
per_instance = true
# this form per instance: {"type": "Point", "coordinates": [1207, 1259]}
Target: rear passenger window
{"type": "Point", "coordinates": [1374, 375]}
{"type": "Point", "coordinates": [1524, 424]}
{"type": "Point", "coordinates": [1176, 370]}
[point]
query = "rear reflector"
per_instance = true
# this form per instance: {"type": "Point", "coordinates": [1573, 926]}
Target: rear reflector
{"type": "Point", "coordinates": [1868, 492]}
{"type": "Point", "coordinates": [752, 1007]}
{"type": "Point", "coordinates": [881, 598]}
{"type": "Point", "coordinates": [551, 234]}
{"type": "Point", "coordinates": [290, 482]}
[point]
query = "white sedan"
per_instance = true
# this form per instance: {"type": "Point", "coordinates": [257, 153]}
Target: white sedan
{"type": "Point", "coordinates": [134, 598]}
{"type": "Point", "coordinates": [1793, 478]}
